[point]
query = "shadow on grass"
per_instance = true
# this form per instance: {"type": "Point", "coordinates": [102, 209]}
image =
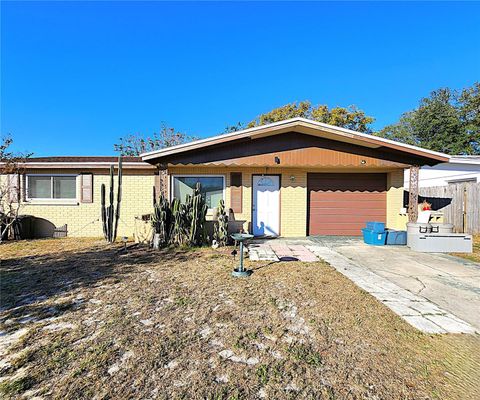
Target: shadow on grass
{"type": "Point", "coordinates": [28, 283]}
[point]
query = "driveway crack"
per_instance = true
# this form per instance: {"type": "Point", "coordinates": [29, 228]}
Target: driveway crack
{"type": "Point", "coordinates": [418, 279]}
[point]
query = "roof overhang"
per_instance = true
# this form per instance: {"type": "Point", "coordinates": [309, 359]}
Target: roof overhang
{"type": "Point", "coordinates": [300, 125]}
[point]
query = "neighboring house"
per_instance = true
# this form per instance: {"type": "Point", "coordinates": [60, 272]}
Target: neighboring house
{"type": "Point", "coordinates": [295, 177]}
{"type": "Point", "coordinates": [458, 170]}
{"type": "Point", "coordinates": [66, 190]}
{"type": "Point", "coordinates": [291, 178]}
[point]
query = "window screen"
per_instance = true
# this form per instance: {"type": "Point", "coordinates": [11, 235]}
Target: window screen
{"type": "Point", "coordinates": [52, 187]}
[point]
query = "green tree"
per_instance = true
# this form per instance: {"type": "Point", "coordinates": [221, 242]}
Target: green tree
{"type": "Point", "coordinates": [134, 145]}
{"type": "Point", "coordinates": [350, 117]}
{"type": "Point", "coordinates": [446, 121]}
{"type": "Point", "coordinates": [469, 110]}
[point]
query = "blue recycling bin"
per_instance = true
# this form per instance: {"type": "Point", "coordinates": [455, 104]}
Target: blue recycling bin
{"type": "Point", "coordinates": [376, 226]}
{"type": "Point", "coordinates": [374, 238]}
{"type": "Point", "coordinates": [398, 238]}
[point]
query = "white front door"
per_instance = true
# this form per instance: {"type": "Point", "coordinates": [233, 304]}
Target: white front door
{"type": "Point", "coordinates": [266, 205]}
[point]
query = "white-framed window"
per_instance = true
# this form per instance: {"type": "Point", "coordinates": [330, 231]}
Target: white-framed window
{"type": "Point", "coordinates": [51, 187]}
{"type": "Point", "coordinates": [212, 188]}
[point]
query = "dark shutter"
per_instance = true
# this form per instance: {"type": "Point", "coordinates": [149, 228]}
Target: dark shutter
{"type": "Point", "coordinates": [86, 188]}
{"type": "Point", "coordinates": [236, 192]}
{"type": "Point", "coordinates": [23, 187]}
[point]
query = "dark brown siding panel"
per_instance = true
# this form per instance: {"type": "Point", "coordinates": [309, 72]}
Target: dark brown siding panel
{"type": "Point", "coordinates": [295, 149]}
{"type": "Point", "coordinates": [341, 204]}
{"type": "Point", "coordinates": [236, 192]}
{"type": "Point", "coordinates": [87, 188]}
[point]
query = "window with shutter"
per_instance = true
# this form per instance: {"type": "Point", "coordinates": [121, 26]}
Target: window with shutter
{"type": "Point", "coordinates": [236, 192]}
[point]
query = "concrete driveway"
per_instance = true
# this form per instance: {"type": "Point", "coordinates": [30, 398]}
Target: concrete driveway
{"type": "Point", "coordinates": [449, 282]}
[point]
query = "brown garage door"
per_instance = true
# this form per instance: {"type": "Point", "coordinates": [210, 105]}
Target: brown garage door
{"type": "Point", "coordinates": [340, 204]}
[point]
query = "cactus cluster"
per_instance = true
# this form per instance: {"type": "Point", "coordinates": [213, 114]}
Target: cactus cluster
{"type": "Point", "coordinates": [111, 214]}
{"type": "Point", "coordinates": [180, 224]}
{"type": "Point", "coordinates": [220, 229]}
{"type": "Point", "coordinates": [161, 219]}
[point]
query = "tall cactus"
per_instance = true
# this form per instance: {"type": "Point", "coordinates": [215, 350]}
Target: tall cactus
{"type": "Point", "coordinates": [119, 198]}
{"type": "Point", "coordinates": [111, 214]}
{"type": "Point", "coordinates": [197, 212]}
{"type": "Point", "coordinates": [179, 230]}
{"type": "Point", "coordinates": [181, 224]}
{"type": "Point", "coordinates": [162, 219]}
{"type": "Point", "coordinates": [220, 229]}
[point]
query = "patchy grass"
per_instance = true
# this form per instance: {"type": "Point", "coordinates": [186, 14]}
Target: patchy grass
{"type": "Point", "coordinates": [475, 256]}
{"type": "Point", "coordinates": [84, 320]}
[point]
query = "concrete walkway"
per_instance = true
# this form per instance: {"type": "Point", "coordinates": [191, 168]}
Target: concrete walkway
{"type": "Point", "coordinates": [375, 269]}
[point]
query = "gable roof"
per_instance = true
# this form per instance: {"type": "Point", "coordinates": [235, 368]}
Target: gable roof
{"type": "Point", "coordinates": [301, 125]}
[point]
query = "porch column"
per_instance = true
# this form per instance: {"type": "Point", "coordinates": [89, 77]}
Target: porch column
{"type": "Point", "coordinates": [413, 194]}
{"type": "Point", "coordinates": [161, 180]}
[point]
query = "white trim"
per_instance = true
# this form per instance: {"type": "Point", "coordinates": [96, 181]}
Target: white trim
{"type": "Point", "coordinates": [295, 121]}
{"type": "Point", "coordinates": [462, 180]}
{"type": "Point", "coordinates": [43, 200]}
{"type": "Point", "coordinates": [473, 160]}
{"type": "Point", "coordinates": [170, 182]}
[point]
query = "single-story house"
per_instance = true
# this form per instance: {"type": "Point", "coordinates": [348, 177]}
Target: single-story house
{"type": "Point", "coordinates": [459, 169]}
{"type": "Point", "coordinates": [296, 177]}
{"type": "Point", "coordinates": [66, 190]}
{"type": "Point", "coordinates": [290, 178]}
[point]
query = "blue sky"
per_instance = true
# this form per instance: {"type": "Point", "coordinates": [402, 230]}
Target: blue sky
{"type": "Point", "coordinates": [77, 76]}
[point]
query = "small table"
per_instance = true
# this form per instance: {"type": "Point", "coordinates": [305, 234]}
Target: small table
{"type": "Point", "coordinates": [240, 271]}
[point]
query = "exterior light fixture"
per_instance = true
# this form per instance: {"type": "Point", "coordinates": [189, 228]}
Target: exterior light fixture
{"type": "Point", "coordinates": [292, 178]}
{"type": "Point", "coordinates": [363, 162]}
{"type": "Point", "coordinates": [277, 160]}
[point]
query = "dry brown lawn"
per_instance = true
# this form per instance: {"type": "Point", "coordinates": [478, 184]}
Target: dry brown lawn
{"type": "Point", "coordinates": [83, 320]}
{"type": "Point", "coordinates": [475, 256]}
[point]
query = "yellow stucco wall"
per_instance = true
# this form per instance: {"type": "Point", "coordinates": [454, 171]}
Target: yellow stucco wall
{"type": "Point", "coordinates": [395, 201]}
{"type": "Point", "coordinates": [83, 219]}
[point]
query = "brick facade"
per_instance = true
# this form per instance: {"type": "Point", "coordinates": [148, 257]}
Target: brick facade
{"type": "Point", "coordinates": [84, 219]}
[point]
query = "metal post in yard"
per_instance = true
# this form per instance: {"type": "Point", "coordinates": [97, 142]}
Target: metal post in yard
{"type": "Point", "coordinates": [240, 270]}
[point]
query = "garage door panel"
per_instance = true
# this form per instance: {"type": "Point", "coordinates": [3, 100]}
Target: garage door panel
{"type": "Point", "coordinates": [342, 227]}
{"type": "Point", "coordinates": [361, 186]}
{"type": "Point", "coordinates": [347, 211]}
{"type": "Point", "coordinates": [341, 204]}
{"type": "Point", "coordinates": [349, 196]}
{"type": "Point", "coordinates": [358, 205]}
{"type": "Point", "coordinates": [344, 232]}
{"type": "Point", "coordinates": [345, 218]}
